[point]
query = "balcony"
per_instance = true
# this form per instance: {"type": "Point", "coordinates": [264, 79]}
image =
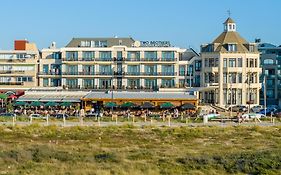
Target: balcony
{"type": "Point", "coordinates": [11, 83]}
{"type": "Point", "coordinates": [49, 73]}
{"type": "Point", "coordinates": [13, 60]}
{"type": "Point", "coordinates": [12, 72]}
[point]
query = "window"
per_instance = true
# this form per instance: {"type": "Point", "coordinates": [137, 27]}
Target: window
{"type": "Point", "coordinates": [88, 83]}
{"type": "Point", "coordinates": [268, 61]}
{"type": "Point", "coordinates": [150, 69]}
{"type": "Point", "coordinates": [211, 62]}
{"type": "Point", "coordinates": [133, 69]}
{"type": "Point", "coordinates": [239, 78]}
{"type": "Point", "coordinates": [167, 70]}
{"type": "Point", "coordinates": [225, 62]}
{"type": "Point", "coordinates": [88, 56]}
{"type": "Point", "coordinates": [168, 56]}
{"type": "Point", "coordinates": [239, 64]}
{"type": "Point", "coordinates": [206, 62]}
{"type": "Point", "coordinates": [56, 55]}
{"type": "Point", "coordinates": [232, 62]}
{"type": "Point", "coordinates": [88, 69]}
{"type": "Point", "coordinates": [72, 70]}
{"type": "Point", "coordinates": [72, 56]}
{"type": "Point", "coordinates": [105, 69]}
{"type": "Point", "coordinates": [150, 55]}
{"type": "Point", "coordinates": [45, 82]}
{"type": "Point", "coordinates": [232, 47]}
{"type": "Point", "coordinates": [168, 83]}
{"type": "Point", "coordinates": [133, 83]}
{"type": "Point", "coordinates": [190, 70]}
{"type": "Point", "coordinates": [24, 79]}
{"type": "Point", "coordinates": [45, 68]}
{"type": "Point", "coordinates": [105, 55]}
{"type": "Point", "coordinates": [251, 48]}
{"type": "Point", "coordinates": [150, 83]}
{"type": "Point", "coordinates": [224, 77]}
{"type": "Point", "coordinates": [133, 56]}
{"type": "Point", "coordinates": [270, 93]}
{"type": "Point", "coordinates": [198, 65]}
{"type": "Point", "coordinates": [72, 83]}
{"type": "Point", "coordinates": [182, 70]}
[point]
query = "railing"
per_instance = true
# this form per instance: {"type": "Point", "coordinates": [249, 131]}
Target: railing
{"type": "Point", "coordinates": [22, 60]}
{"type": "Point", "coordinates": [11, 71]}
{"type": "Point", "coordinates": [11, 83]}
{"type": "Point", "coordinates": [49, 73]}
{"type": "Point", "coordinates": [123, 59]}
{"type": "Point", "coordinates": [122, 73]}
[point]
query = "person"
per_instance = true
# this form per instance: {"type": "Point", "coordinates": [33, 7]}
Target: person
{"type": "Point", "coordinates": [176, 113]}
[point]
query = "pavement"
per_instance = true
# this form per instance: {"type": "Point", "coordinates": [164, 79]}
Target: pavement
{"type": "Point", "coordinates": [141, 124]}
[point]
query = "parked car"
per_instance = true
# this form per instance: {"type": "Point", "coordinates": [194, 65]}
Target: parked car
{"type": "Point", "coordinates": [60, 116]}
{"type": "Point", "coordinates": [268, 110]}
{"type": "Point", "coordinates": [253, 116]}
{"type": "Point", "coordinates": [257, 108]}
{"type": "Point", "coordinates": [238, 108]}
{"type": "Point", "coordinates": [36, 116]}
{"type": "Point", "coordinates": [211, 116]}
{"type": "Point", "coordinates": [8, 115]}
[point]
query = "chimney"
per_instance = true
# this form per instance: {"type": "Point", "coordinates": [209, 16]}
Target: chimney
{"type": "Point", "coordinates": [20, 44]}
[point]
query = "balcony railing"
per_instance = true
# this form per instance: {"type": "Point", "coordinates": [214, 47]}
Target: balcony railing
{"type": "Point", "coordinates": [122, 73]}
{"type": "Point", "coordinates": [11, 83]}
{"type": "Point", "coordinates": [11, 71]}
{"type": "Point", "coordinates": [22, 60]}
{"type": "Point", "coordinates": [123, 59]}
{"type": "Point", "coordinates": [49, 73]}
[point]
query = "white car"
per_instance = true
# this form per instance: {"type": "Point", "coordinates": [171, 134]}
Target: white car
{"type": "Point", "coordinates": [253, 116]}
{"type": "Point", "coordinates": [36, 116]}
{"type": "Point", "coordinates": [211, 116]}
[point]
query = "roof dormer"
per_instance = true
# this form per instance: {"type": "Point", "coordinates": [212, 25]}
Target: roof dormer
{"type": "Point", "coordinates": [229, 25]}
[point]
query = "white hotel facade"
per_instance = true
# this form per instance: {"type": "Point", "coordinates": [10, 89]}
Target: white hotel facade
{"type": "Point", "coordinates": [119, 63]}
{"type": "Point", "coordinates": [230, 69]}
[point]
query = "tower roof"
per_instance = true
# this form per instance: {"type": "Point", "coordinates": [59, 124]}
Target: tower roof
{"type": "Point", "coordinates": [229, 20]}
{"type": "Point", "coordinates": [230, 37]}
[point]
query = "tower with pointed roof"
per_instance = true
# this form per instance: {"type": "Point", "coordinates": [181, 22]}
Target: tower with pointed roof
{"type": "Point", "coordinates": [230, 69]}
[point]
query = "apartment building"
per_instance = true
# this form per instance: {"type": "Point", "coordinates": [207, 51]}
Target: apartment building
{"type": "Point", "coordinates": [230, 69]}
{"type": "Point", "coordinates": [119, 63]}
{"type": "Point", "coordinates": [271, 72]}
{"type": "Point", "coordinates": [18, 67]}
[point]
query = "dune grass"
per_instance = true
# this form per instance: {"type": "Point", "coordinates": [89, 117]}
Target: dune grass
{"type": "Point", "coordinates": [131, 150]}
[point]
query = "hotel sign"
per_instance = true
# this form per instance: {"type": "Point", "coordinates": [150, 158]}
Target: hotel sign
{"type": "Point", "coordinates": [155, 43]}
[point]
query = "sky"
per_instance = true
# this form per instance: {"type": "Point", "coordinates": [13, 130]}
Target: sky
{"type": "Point", "coordinates": [185, 23]}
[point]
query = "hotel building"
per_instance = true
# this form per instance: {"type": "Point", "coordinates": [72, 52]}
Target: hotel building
{"type": "Point", "coordinates": [118, 63]}
{"type": "Point", "coordinates": [230, 69]}
{"type": "Point", "coordinates": [18, 67]}
{"type": "Point", "coordinates": [271, 71]}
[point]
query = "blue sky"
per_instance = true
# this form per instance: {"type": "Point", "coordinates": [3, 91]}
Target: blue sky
{"type": "Point", "coordinates": [186, 23]}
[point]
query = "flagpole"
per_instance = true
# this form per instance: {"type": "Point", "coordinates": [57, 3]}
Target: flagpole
{"type": "Point", "coordinates": [264, 94]}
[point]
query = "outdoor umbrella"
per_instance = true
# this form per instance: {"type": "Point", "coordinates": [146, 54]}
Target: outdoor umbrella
{"type": "Point", "coordinates": [3, 96]}
{"type": "Point", "coordinates": [147, 105]}
{"type": "Point", "coordinates": [188, 106]}
{"type": "Point", "coordinates": [51, 103]}
{"type": "Point", "coordinates": [66, 104]}
{"type": "Point", "coordinates": [20, 103]}
{"type": "Point", "coordinates": [166, 105]}
{"type": "Point", "coordinates": [36, 103]}
{"type": "Point", "coordinates": [128, 105]}
{"type": "Point", "coordinates": [13, 97]}
{"type": "Point", "coordinates": [110, 104]}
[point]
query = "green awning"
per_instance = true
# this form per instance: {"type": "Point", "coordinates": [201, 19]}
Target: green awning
{"type": "Point", "coordinates": [128, 105]}
{"type": "Point", "coordinates": [51, 103]}
{"type": "Point", "coordinates": [36, 103]}
{"type": "Point", "coordinates": [66, 104]}
{"type": "Point", "coordinates": [110, 104]}
{"type": "Point", "coordinates": [166, 105]}
{"type": "Point", "coordinates": [3, 96]}
{"type": "Point", "coordinates": [20, 103]}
